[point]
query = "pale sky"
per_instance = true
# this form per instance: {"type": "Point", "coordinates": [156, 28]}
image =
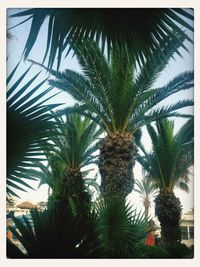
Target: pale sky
{"type": "Point", "coordinates": [14, 50]}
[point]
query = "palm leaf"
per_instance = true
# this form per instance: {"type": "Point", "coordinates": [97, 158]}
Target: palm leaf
{"type": "Point", "coordinates": [51, 237]}
{"type": "Point", "coordinates": [139, 29]}
{"type": "Point", "coordinates": [29, 123]}
{"type": "Point", "coordinates": [121, 229]}
{"type": "Point", "coordinates": [73, 144]}
{"type": "Point", "coordinates": [170, 158]}
{"type": "Point", "coordinates": [145, 187]}
{"type": "Point", "coordinates": [109, 94]}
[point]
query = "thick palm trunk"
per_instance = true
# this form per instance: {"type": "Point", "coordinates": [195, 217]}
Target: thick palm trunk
{"type": "Point", "coordinates": [72, 188]}
{"type": "Point", "coordinates": [168, 210]}
{"type": "Point", "coordinates": [116, 163]}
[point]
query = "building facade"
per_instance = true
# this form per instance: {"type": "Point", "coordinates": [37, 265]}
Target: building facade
{"type": "Point", "coordinates": [187, 228]}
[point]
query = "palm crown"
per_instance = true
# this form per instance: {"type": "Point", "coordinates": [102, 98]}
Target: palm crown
{"type": "Point", "coordinates": [72, 146]}
{"type": "Point", "coordinates": [171, 156]}
{"type": "Point", "coordinates": [146, 189]}
{"type": "Point", "coordinates": [121, 96]}
{"type": "Point", "coordinates": [76, 140]}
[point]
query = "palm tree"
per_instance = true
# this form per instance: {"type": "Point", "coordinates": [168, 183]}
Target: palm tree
{"type": "Point", "coordinates": [74, 142]}
{"type": "Point", "coordinates": [168, 166]}
{"type": "Point", "coordinates": [122, 100]}
{"type": "Point", "coordinates": [146, 189]}
{"type": "Point", "coordinates": [51, 236]}
{"type": "Point", "coordinates": [120, 228]}
{"type": "Point", "coordinates": [29, 124]}
{"type": "Point", "coordinates": [140, 29]}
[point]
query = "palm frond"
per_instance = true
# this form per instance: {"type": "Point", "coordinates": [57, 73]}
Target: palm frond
{"type": "Point", "coordinates": [121, 229]}
{"type": "Point", "coordinates": [107, 26]}
{"type": "Point", "coordinates": [145, 187]}
{"type": "Point", "coordinates": [91, 182]}
{"type": "Point", "coordinates": [29, 124]}
{"type": "Point", "coordinates": [169, 160]}
{"type": "Point", "coordinates": [183, 186]}
{"type": "Point", "coordinates": [82, 91]}
{"type": "Point", "coordinates": [154, 65]}
{"type": "Point", "coordinates": [183, 81]}
{"type": "Point", "coordinates": [72, 144]}
{"type": "Point", "coordinates": [49, 236]}
{"type": "Point", "coordinates": [111, 95]}
{"type": "Point", "coordinates": [77, 140]}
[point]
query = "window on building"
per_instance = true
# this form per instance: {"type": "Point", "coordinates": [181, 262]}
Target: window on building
{"type": "Point", "coordinates": [191, 229]}
{"type": "Point", "coordinates": [184, 233]}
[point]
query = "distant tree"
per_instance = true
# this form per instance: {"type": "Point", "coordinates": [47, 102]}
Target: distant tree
{"type": "Point", "coordinates": [146, 189]}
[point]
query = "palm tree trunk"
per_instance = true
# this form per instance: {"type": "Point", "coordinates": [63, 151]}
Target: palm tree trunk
{"type": "Point", "coordinates": [72, 188]}
{"type": "Point", "coordinates": [146, 204]}
{"type": "Point", "coordinates": [146, 211]}
{"type": "Point", "coordinates": [116, 163]}
{"type": "Point", "coordinates": [168, 210]}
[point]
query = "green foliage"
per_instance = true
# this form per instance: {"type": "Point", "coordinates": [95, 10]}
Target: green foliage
{"type": "Point", "coordinates": [167, 166]}
{"type": "Point", "coordinates": [76, 140]}
{"type": "Point", "coordinates": [179, 250]}
{"type": "Point", "coordinates": [92, 184]}
{"type": "Point", "coordinates": [121, 230]}
{"type": "Point", "coordinates": [73, 143]}
{"type": "Point", "coordinates": [171, 156]}
{"type": "Point", "coordinates": [50, 236]}
{"type": "Point", "coordinates": [147, 190]}
{"type": "Point", "coordinates": [114, 94]}
{"type": "Point", "coordinates": [155, 252]}
{"type": "Point", "coordinates": [115, 91]}
{"type": "Point", "coordinates": [14, 251]}
{"type": "Point", "coordinates": [29, 124]}
{"type": "Point", "coordinates": [175, 251]}
{"type": "Point", "coordinates": [141, 30]}
{"type": "Point", "coordinates": [110, 230]}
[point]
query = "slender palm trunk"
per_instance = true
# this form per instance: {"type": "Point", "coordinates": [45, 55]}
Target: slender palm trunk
{"type": "Point", "coordinates": [146, 211]}
{"type": "Point", "coordinates": [168, 210]}
{"type": "Point", "coordinates": [146, 204]}
{"type": "Point", "coordinates": [116, 163]}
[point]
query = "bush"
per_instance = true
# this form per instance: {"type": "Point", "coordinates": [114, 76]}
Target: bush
{"type": "Point", "coordinates": [177, 250]}
{"type": "Point", "coordinates": [155, 252]}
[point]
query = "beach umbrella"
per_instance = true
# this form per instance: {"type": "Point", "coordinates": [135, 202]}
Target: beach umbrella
{"type": "Point", "coordinates": [26, 205]}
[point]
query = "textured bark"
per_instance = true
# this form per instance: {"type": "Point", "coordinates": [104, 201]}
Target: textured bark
{"type": "Point", "coordinates": [72, 187]}
{"type": "Point", "coordinates": [168, 210]}
{"type": "Point", "coordinates": [116, 163]}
